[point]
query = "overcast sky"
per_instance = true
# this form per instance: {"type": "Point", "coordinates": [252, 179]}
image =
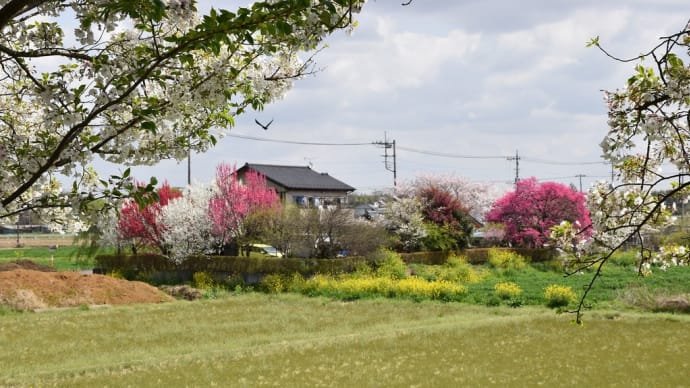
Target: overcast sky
{"type": "Point", "coordinates": [458, 78]}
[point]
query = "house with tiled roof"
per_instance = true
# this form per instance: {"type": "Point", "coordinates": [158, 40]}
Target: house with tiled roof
{"type": "Point", "coordinates": [301, 185]}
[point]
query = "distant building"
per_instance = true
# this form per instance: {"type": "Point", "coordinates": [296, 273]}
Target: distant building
{"type": "Point", "coordinates": [301, 185]}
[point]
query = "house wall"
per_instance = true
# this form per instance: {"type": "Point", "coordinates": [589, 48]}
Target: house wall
{"type": "Point", "coordinates": [315, 198]}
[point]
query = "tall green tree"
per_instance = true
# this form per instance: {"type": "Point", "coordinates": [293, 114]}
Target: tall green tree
{"type": "Point", "coordinates": [134, 82]}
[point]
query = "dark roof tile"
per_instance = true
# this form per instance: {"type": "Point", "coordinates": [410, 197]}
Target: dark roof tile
{"type": "Point", "coordinates": [298, 177]}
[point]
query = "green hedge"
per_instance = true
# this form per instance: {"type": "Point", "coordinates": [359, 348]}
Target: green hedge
{"type": "Point", "coordinates": [428, 258]}
{"type": "Point", "coordinates": [476, 255]}
{"type": "Point", "coordinates": [306, 267]}
{"type": "Point", "coordinates": [230, 264]}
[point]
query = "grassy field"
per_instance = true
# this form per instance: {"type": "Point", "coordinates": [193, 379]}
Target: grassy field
{"type": "Point", "coordinates": [615, 281]}
{"type": "Point", "coordinates": [289, 340]}
{"type": "Point", "coordinates": [65, 258]}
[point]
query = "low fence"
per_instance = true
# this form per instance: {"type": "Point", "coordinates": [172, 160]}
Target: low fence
{"type": "Point", "coordinates": [32, 240]}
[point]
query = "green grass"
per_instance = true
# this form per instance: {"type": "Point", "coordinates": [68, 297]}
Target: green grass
{"type": "Point", "coordinates": [65, 258]}
{"type": "Point", "coordinates": [614, 281]}
{"type": "Point", "coordinates": [293, 341]}
{"type": "Point", "coordinates": [617, 279]}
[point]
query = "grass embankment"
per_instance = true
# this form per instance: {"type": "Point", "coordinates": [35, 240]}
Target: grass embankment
{"type": "Point", "coordinates": [290, 340]}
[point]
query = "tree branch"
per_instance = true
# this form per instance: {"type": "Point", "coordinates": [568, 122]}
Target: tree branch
{"type": "Point", "coordinates": [17, 7]}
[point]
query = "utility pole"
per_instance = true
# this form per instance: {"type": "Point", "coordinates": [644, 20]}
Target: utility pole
{"type": "Point", "coordinates": [516, 158]}
{"type": "Point", "coordinates": [580, 176]}
{"type": "Point", "coordinates": [390, 167]}
{"type": "Point", "coordinates": [189, 161]}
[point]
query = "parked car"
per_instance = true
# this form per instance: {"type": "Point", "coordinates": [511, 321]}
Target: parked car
{"type": "Point", "coordinates": [265, 249]}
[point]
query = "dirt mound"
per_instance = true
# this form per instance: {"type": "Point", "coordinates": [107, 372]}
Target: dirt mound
{"type": "Point", "coordinates": [184, 292]}
{"type": "Point", "coordinates": [25, 264]}
{"type": "Point", "coordinates": [24, 289]}
{"type": "Point", "coordinates": [674, 304]}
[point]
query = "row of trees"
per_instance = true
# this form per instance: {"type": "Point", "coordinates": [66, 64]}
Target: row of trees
{"type": "Point", "coordinates": [202, 220]}
{"type": "Point", "coordinates": [428, 213]}
{"type": "Point", "coordinates": [441, 212]}
{"type": "Point", "coordinates": [229, 215]}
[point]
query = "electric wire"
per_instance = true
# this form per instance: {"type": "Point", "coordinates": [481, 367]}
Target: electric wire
{"type": "Point", "coordinates": [555, 162]}
{"type": "Point", "coordinates": [295, 142]}
{"type": "Point", "coordinates": [416, 150]}
{"type": "Point", "coordinates": [450, 155]}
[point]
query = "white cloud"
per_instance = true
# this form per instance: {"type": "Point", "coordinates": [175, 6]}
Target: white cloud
{"type": "Point", "coordinates": [399, 59]}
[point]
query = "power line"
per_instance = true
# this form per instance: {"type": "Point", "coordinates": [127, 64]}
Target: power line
{"type": "Point", "coordinates": [544, 161]}
{"type": "Point", "coordinates": [555, 178]}
{"type": "Point", "coordinates": [449, 155]}
{"type": "Point", "coordinates": [420, 151]}
{"type": "Point", "coordinates": [296, 142]}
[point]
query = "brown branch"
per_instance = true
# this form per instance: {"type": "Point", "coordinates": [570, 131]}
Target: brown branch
{"type": "Point", "coordinates": [664, 41]}
{"type": "Point", "coordinates": [16, 7]}
{"type": "Point", "coordinates": [47, 52]}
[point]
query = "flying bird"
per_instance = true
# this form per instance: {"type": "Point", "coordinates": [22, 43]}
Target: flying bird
{"type": "Point", "coordinates": [265, 127]}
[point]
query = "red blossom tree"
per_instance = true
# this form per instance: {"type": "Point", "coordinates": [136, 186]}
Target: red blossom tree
{"type": "Point", "coordinates": [235, 201]}
{"type": "Point", "coordinates": [141, 226]}
{"type": "Point", "coordinates": [530, 211]}
{"type": "Point", "coordinates": [451, 218]}
{"type": "Point", "coordinates": [440, 206]}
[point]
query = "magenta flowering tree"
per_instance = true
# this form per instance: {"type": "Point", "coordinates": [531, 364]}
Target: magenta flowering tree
{"type": "Point", "coordinates": [235, 200]}
{"type": "Point", "coordinates": [529, 212]}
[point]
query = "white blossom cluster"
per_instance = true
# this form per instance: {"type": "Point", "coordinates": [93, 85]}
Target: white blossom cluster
{"type": "Point", "coordinates": [188, 229]}
{"type": "Point", "coordinates": [648, 128]}
{"type": "Point", "coordinates": [134, 83]}
{"type": "Point", "coordinates": [404, 218]}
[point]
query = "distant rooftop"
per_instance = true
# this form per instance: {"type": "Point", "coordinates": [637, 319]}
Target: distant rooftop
{"type": "Point", "coordinates": [298, 177]}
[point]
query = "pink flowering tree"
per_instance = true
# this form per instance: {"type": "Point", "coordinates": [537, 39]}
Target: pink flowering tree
{"type": "Point", "coordinates": [236, 203]}
{"type": "Point", "coordinates": [140, 226]}
{"type": "Point", "coordinates": [529, 212]}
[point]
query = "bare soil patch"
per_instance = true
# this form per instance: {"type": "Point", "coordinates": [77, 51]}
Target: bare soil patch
{"type": "Point", "coordinates": [28, 289]}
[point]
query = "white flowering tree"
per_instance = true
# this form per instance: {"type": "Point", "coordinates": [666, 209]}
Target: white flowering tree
{"type": "Point", "coordinates": [134, 82]}
{"type": "Point", "coordinates": [404, 218]}
{"type": "Point", "coordinates": [188, 228]}
{"type": "Point", "coordinates": [648, 143]}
